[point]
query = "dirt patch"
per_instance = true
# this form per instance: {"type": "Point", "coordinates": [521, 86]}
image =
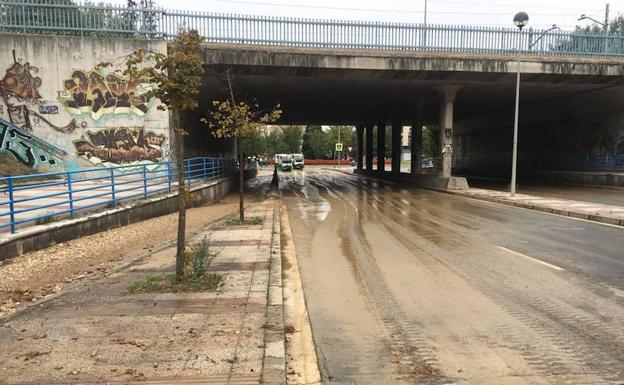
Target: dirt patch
{"type": "Point", "coordinates": [33, 275]}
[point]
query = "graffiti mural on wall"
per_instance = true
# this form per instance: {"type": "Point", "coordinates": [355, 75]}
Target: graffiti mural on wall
{"type": "Point", "coordinates": [26, 148]}
{"type": "Point", "coordinates": [20, 93]}
{"type": "Point", "coordinates": [121, 146]}
{"type": "Point", "coordinates": [99, 94]}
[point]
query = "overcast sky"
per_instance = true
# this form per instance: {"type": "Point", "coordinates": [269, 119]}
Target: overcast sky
{"type": "Point", "coordinates": [542, 14]}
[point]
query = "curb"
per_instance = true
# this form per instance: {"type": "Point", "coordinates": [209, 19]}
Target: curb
{"type": "Point", "coordinates": [561, 212]}
{"type": "Point", "coordinates": [274, 361]}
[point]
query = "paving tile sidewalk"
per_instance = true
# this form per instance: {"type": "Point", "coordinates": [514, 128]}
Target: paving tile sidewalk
{"type": "Point", "coordinates": [598, 212]}
{"type": "Point", "coordinates": [96, 331]}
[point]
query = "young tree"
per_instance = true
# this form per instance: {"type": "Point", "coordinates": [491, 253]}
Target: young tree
{"type": "Point", "coordinates": [239, 120]}
{"type": "Point", "coordinates": [177, 77]}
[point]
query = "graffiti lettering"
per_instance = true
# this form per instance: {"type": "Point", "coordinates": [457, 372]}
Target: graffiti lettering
{"type": "Point", "coordinates": [19, 144]}
{"type": "Point", "coordinates": [122, 145]}
{"type": "Point", "coordinates": [48, 109]}
{"type": "Point", "coordinates": [98, 95]}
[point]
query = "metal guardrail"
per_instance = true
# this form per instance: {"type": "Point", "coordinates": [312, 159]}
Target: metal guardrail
{"type": "Point", "coordinates": [86, 19]}
{"type": "Point", "coordinates": [40, 198]}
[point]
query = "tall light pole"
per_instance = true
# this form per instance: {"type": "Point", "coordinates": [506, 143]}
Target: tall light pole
{"type": "Point", "coordinates": [425, 26]}
{"type": "Point", "coordinates": [520, 20]}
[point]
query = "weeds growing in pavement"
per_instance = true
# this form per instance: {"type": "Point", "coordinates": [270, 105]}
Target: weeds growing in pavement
{"type": "Point", "coordinates": [196, 277]}
{"type": "Point", "coordinates": [248, 221]}
{"type": "Point", "coordinates": [48, 218]}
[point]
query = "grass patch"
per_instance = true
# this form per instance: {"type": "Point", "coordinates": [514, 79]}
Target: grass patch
{"type": "Point", "coordinates": [196, 278]}
{"type": "Point", "coordinates": [168, 284]}
{"type": "Point", "coordinates": [247, 221]}
{"type": "Point", "coordinates": [49, 218]}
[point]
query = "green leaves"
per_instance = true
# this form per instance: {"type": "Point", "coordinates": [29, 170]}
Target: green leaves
{"type": "Point", "coordinates": [176, 75]}
{"type": "Point", "coordinates": [239, 120]}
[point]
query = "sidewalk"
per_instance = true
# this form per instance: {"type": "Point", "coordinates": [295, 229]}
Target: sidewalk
{"type": "Point", "coordinates": [598, 212]}
{"type": "Point", "coordinates": [96, 331]}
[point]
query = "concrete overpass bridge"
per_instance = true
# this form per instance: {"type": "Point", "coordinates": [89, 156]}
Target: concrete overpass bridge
{"type": "Point", "coordinates": [457, 79]}
{"type": "Point", "coordinates": [467, 96]}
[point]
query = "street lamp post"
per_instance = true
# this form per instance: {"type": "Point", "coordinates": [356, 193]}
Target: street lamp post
{"type": "Point", "coordinates": [605, 25]}
{"type": "Point", "coordinates": [520, 20]}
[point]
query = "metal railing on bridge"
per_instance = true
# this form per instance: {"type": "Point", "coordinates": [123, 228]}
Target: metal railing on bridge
{"type": "Point", "coordinates": [40, 198]}
{"type": "Point", "coordinates": [87, 19]}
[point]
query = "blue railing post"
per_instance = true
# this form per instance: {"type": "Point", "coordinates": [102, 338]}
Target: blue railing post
{"type": "Point", "coordinates": [70, 194]}
{"type": "Point", "coordinates": [144, 181]}
{"type": "Point", "coordinates": [169, 176]}
{"type": "Point", "coordinates": [188, 172]}
{"type": "Point", "coordinates": [112, 179]}
{"type": "Point", "coordinates": [11, 205]}
{"type": "Point", "coordinates": [204, 168]}
{"type": "Point", "coordinates": [213, 169]}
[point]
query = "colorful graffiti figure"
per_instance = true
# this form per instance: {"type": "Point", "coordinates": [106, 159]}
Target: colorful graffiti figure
{"type": "Point", "coordinates": [121, 146]}
{"type": "Point", "coordinates": [98, 94]}
{"type": "Point", "coordinates": [20, 92]}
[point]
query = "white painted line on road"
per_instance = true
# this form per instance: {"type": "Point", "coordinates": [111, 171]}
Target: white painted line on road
{"type": "Point", "coordinates": [531, 258]}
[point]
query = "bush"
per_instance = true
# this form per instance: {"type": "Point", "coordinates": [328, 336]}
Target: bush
{"type": "Point", "coordinates": [196, 278]}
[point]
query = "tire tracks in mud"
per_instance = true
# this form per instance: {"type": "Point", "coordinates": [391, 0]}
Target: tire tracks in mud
{"type": "Point", "coordinates": [415, 358]}
{"type": "Point", "coordinates": [575, 339]}
{"type": "Point", "coordinates": [563, 343]}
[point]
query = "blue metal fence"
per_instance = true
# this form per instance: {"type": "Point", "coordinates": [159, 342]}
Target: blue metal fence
{"type": "Point", "coordinates": [87, 19]}
{"type": "Point", "coordinates": [39, 198]}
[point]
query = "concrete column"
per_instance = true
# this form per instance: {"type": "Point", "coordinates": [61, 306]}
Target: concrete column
{"type": "Point", "coordinates": [359, 130]}
{"type": "Point", "coordinates": [369, 147]}
{"type": "Point", "coordinates": [396, 146]}
{"type": "Point", "coordinates": [447, 100]}
{"type": "Point", "coordinates": [381, 146]}
{"type": "Point", "coordinates": [416, 140]}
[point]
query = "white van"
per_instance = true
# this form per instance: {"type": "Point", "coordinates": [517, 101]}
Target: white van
{"type": "Point", "coordinates": [297, 161]}
{"type": "Point", "coordinates": [283, 162]}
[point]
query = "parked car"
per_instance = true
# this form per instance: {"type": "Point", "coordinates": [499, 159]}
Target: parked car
{"type": "Point", "coordinates": [297, 161]}
{"type": "Point", "coordinates": [283, 162]}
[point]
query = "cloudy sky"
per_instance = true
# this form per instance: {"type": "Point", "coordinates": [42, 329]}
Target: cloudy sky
{"type": "Point", "coordinates": [542, 13]}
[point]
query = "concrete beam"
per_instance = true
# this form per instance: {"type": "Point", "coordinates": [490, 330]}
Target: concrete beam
{"type": "Point", "coordinates": [447, 100]}
{"type": "Point", "coordinates": [308, 59]}
{"type": "Point", "coordinates": [381, 146]}
{"type": "Point", "coordinates": [396, 146]}
{"type": "Point", "coordinates": [369, 146]}
{"type": "Point", "coordinates": [416, 140]}
{"type": "Point", "coordinates": [359, 130]}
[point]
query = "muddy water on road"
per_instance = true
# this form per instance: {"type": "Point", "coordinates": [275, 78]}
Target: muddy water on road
{"type": "Point", "coordinates": [407, 286]}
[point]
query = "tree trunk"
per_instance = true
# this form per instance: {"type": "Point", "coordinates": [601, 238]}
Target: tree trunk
{"type": "Point", "coordinates": [241, 171]}
{"type": "Point", "coordinates": [179, 152]}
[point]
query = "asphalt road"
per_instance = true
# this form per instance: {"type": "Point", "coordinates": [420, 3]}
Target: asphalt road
{"type": "Point", "coordinates": [409, 286]}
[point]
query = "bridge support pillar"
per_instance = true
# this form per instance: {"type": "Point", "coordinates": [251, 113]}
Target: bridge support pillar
{"type": "Point", "coordinates": [369, 147]}
{"type": "Point", "coordinates": [396, 146]}
{"type": "Point", "coordinates": [359, 131]}
{"type": "Point", "coordinates": [381, 146]}
{"type": "Point", "coordinates": [447, 94]}
{"type": "Point", "coordinates": [416, 141]}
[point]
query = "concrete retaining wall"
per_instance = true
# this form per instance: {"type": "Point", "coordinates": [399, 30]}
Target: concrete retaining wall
{"type": "Point", "coordinates": [422, 180]}
{"type": "Point", "coordinates": [39, 237]}
{"type": "Point", "coordinates": [581, 178]}
{"type": "Point", "coordinates": [73, 112]}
